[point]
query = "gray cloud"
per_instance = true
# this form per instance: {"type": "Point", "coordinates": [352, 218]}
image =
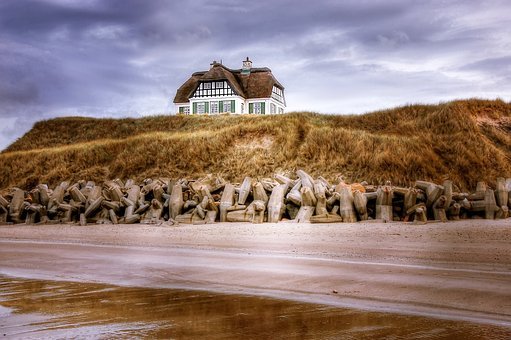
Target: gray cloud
{"type": "Point", "coordinates": [494, 65]}
{"type": "Point", "coordinates": [127, 57]}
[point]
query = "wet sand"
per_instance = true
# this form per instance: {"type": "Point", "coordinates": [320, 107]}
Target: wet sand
{"type": "Point", "coordinates": [457, 270]}
{"type": "Point", "coordinates": [56, 309]}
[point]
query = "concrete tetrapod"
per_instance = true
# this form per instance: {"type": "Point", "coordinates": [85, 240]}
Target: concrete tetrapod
{"type": "Point", "coordinates": [276, 205]}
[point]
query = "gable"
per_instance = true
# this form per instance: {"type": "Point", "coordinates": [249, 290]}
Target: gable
{"type": "Point", "coordinates": [213, 88]}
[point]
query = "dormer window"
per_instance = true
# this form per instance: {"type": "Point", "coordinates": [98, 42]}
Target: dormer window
{"type": "Point", "coordinates": [277, 94]}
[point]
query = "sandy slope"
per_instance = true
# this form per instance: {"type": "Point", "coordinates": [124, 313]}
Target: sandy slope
{"type": "Point", "coordinates": [459, 270]}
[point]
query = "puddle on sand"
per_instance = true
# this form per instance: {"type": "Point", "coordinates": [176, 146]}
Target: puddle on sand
{"type": "Point", "coordinates": [50, 309]}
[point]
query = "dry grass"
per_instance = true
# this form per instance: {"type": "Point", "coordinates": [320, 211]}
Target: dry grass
{"type": "Point", "coordinates": [464, 141]}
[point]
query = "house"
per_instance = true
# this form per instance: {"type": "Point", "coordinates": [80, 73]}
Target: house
{"type": "Point", "coordinates": [224, 90]}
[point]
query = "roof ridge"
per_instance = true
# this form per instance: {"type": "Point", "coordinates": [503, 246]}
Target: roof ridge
{"type": "Point", "coordinates": [238, 70]}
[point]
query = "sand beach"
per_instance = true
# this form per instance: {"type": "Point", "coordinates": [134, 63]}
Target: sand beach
{"type": "Point", "coordinates": [457, 270]}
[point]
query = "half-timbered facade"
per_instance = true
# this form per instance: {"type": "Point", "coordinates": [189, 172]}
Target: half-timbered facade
{"type": "Point", "coordinates": [224, 90]}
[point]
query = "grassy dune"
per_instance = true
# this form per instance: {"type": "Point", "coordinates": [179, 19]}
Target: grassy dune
{"type": "Point", "coordinates": [465, 141]}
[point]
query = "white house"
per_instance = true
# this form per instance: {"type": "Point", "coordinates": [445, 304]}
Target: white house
{"type": "Point", "coordinates": [224, 90]}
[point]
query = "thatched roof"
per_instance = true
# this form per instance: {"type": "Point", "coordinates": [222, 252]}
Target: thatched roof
{"type": "Point", "coordinates": [258, 84]}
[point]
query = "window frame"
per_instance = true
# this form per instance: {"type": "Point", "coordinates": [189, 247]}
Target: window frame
{"type": "Point", "coordinates": [226, 106]}
{"type": "Point", "coordinates": [201, 106]}
{"type": "Point", "coordinates": [214, 105]}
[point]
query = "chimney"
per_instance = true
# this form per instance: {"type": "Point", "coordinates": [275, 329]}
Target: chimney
{"type": "Point", "coordinates": [247, 65]}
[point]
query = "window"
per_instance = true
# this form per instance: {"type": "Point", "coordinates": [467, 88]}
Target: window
{"type": "Point", "coordinates": [277, 94]}
{"type": "Point", "coordinates": [201, 107]}
{"type": "Point", "coordinates": [227, 106]}
{"type": "Point", "coordinates": [242, 108]}
{"type": "Point", "coordinates": [273, 108]}
{"type": "Point", "coordinates": [257, 107]}
{"type": "Point", "coordinates": [214, 107]}
{"type": "Point", "coordinates": [184, 110]}
{"type": "Point", "coordinates": [281, 110]}
{"type": "Point", "coordinates": [213, 89]}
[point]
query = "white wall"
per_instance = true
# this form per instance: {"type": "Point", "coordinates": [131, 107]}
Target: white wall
{"type": "Point", "coordinates": [178, 105]}
{"type": "Point", "coordinates": [237, 100]}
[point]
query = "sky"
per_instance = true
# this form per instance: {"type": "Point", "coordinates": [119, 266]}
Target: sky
{"type": "Point", "coordinates": [126, 58]}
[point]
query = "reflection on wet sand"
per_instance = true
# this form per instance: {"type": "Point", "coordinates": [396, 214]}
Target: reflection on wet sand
{"type": "Point", "coordinates": [35, 308]}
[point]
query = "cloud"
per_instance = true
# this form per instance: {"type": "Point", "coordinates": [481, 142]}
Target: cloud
{"type": "Point", "coordinates": [492, 65]}
{"type": "Point", "coordinates": [127, 57]}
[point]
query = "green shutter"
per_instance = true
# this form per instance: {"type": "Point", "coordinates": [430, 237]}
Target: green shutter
{"type": "Point", "coordinates": [220, 106]}
{"type": "Point", "coordinates": [194, 108]}
{"type": "Point", "coordinates": [233, 106]}
{"type": "Point", "coordinates": [250, 107]}
{"type": "Point", "coordinates": [262, 108]}
{"type": "Point", "coordinates": [206, 107]}
{"type": "Point", "coordinates": [181, 109]}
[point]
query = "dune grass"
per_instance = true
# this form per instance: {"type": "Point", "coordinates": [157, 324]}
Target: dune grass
{"type": "Point", "coordinates": [465, 141]}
